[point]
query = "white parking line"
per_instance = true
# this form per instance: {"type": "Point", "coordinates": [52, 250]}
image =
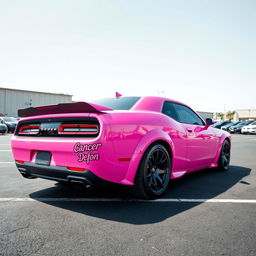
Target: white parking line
{"type": "Point", "coordinates": [161, 200]}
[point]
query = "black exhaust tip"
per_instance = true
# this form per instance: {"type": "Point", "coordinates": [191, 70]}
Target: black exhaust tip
{"type": "Point", "coordinates": [81, 181]}
{"type": "Point", "coordinates": [25, 173]}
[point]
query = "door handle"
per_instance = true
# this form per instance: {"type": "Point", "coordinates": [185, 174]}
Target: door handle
{"type": "Point", "coordinates": [189, 129]}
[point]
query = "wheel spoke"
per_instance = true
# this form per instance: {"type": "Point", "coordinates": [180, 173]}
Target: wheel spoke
{"type": "Point", "coordinates": [150, 181]}
{"type": "Point", "coordinates": [161, 171]}
{"type": "Point", "coordinates": [155, 157]}
{"type": "Point", "coordinates": [162, 159]}
{"type": "Point", "coordinates": [154, 181]}
{"type": "Point", "coordinates": [149, 174]}
{"type": "Point", "coordinates": [150, 162]}
{"type": "Point", "coordinates": [157, 177]}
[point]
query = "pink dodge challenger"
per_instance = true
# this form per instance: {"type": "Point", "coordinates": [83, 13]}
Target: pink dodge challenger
{"type": "Point", "coordinates": [142, 142]}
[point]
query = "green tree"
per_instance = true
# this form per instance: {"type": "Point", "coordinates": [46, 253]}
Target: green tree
{"type": "Point", "coordinates": [230, 115]}
{"type": "Point", "coordinates": [220, 115]}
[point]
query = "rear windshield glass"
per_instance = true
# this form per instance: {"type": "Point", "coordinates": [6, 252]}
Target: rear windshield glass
{"type": "Point", "coordinates": [122, 103]}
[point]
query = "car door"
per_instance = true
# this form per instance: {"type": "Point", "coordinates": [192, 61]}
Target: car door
{"type": "Point", "coordinates": [201, 140]}
{"type": "Point", "coordinates": [178, 135]}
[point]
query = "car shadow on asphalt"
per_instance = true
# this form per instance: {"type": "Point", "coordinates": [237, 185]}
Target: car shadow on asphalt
{"type": "Point", "coordinates": [205, 184]}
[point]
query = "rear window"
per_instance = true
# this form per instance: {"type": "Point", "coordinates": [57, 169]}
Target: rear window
{"type": "Point", "coordinates": [122, 103]}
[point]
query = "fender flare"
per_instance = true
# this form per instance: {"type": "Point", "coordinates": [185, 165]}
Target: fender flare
{"type": "Point", "coordinates": [148, 139]}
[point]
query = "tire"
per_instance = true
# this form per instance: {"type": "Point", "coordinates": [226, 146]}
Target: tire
{"type": "Point", "coordinates": [224, 158]}
{"type": "Point", "coordinates": [153, 174]}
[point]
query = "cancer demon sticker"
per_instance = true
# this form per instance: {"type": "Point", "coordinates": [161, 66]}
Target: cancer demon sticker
{"type": "Point", "coordinates": [86, 152]}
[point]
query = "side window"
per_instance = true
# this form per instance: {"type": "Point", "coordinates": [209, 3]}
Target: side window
{"type": "Point", "coordinates": [168, 109]}
{"type": "Point", "coordinates": [186, 115]}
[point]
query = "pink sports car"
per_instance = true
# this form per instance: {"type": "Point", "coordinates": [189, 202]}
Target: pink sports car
{"type": "Point", "coordinates": [141, 142]}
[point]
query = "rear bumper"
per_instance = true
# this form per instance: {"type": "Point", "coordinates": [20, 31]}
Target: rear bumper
{"type": "Point", "coordinates": [103, 162]}
{"type": "Point", "coordinates": [59, 173]}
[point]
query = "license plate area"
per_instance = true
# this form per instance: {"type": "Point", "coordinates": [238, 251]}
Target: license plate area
{"type": "Point", "coordinates": [43, 158]}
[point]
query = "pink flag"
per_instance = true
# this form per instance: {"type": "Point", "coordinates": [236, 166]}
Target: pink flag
{"type": "Point", "coordinates": [118, 95]}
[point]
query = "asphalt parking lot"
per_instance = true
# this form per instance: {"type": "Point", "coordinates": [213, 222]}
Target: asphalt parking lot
{"type": "Point", "coordinates": [38, 217]}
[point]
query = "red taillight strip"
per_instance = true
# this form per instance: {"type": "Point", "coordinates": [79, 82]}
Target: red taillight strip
{"type": "Point", "coordinates": [76, 169]}
{"type": "Point", "coordinates": [20, 162]}
{"type": "Point", "coordinates": [62, 127]}
{"type": "Point", "coordinates": [29, 128]}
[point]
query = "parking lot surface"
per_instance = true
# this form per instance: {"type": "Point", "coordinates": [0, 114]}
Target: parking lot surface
{"type": "Point", "coordinates": [40, 217]}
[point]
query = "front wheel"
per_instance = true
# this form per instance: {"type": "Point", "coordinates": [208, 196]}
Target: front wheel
{"type": "Point", "coordinates": [224, 159]}
{"type": "Point", "coordinates": [153, 174]}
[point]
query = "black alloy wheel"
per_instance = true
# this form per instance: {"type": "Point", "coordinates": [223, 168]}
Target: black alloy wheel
{"type": "Point", "coordinates": [153, 174]}
{"type": "Point", "coordinates": [224, 158]}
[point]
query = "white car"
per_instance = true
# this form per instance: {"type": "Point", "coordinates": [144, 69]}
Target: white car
{"type": "Point", "coordinates": [250, 128]}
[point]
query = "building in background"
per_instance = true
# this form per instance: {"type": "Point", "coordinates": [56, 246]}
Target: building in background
{"type": "Point", "coordinates": [245, 114]}
{"type": "Point", "coordinates": [13, 99]}
{"type": "Point", "coordinates": [205, 115]}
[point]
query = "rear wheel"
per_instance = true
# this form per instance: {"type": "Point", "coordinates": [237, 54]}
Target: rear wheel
{"type": "Point", "coordinates": [153, 174]}
{"type": "Point", "coordinates": [224, 158]}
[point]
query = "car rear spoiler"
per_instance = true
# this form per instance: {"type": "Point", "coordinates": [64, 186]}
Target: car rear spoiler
{"type": "Point", "coordinates": [76, 107]}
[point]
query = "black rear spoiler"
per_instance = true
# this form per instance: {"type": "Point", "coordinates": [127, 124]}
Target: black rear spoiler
{"type": "Point", "coordinates": [63, 108]}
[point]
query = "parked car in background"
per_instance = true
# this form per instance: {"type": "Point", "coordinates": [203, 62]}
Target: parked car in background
{"type": "Point", "coordinates": [226, 127]}
{"type": "Point", "coordinates": [3, 128]}
{"type": "Point", "coordinates": [10, 122]}
{"type": "Point", "coordinates": [238, 128]}
{"type": "Point", "coordinates": [220, 124]}
{"type": "Point", "coordinates": [250, 128]}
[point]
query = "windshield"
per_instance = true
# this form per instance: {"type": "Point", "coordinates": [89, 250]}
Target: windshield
{"type": "Point", "coordinates": [9, 119]}
{"type": "Point", "coordinates": [123, 103]}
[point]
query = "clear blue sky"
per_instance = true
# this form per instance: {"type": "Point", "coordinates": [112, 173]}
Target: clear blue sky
{"type": "Point", "coordinates": [200, 52]}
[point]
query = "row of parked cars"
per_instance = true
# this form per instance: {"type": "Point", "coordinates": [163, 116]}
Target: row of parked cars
{"type": "Point", "coordinates": [245, 127]}
{"type": "Point", "coordinates": [7, 124]}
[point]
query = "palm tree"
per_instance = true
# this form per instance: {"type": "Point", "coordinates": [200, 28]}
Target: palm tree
{"type": "Point", "coordinates": [220, 115]}
{"type": "Point", "coordinates": [230, 115]}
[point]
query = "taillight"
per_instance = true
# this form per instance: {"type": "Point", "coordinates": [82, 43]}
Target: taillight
{"type": "Point", "coordinates": [29, 129]}
{"type": "Point", "coordinates": [78, 129]}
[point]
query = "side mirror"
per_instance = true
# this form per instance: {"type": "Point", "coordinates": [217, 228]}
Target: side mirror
{"type": "Point", "coordinates": [209, 121]}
